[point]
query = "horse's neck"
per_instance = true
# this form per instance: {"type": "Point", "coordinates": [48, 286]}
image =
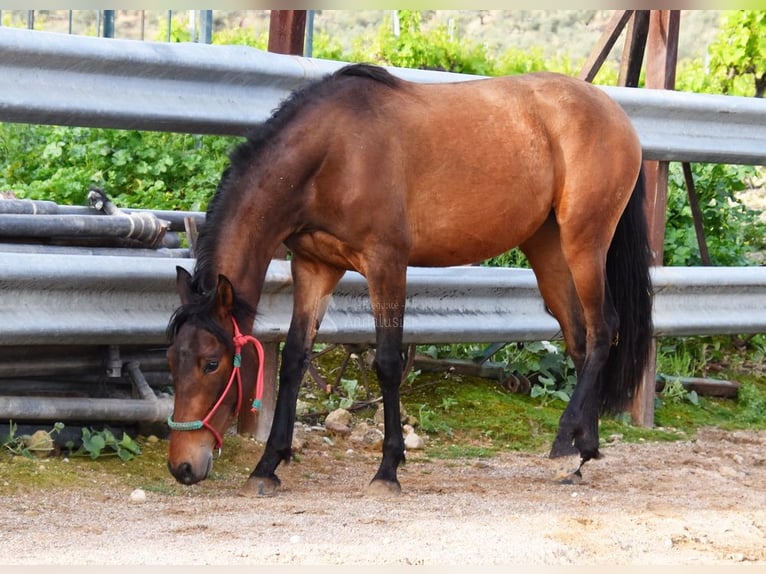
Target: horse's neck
{"type": "Point", "coordinates": [263, 207]}
{"type": "Point", "coordinates": [243, 257]}
{"type": "Point", "coordinates": [258, 221]}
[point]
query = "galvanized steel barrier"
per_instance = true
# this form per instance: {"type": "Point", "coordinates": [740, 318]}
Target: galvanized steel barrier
{"type": "Point", "coordinates": [197, 88]}
{"type": "Point", "coordinates": [55, 299]}
{"type": "Point", "coordinates": [102, 300]}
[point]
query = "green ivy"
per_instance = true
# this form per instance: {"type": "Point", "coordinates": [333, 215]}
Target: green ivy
{"type": "Point", "coordinates": [97, 444]}
{"type": "Point", "coordinates": [738, 56]}
{"type": "Point", "coordinates": [137, 169]}
{"type": "Point", "coordinates": [732, 230]}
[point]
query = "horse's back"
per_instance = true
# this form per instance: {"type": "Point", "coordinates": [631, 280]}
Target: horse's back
{"type": "Point", "coordinates": [543, 108]}
{"type": "Point", "coordinates": [455, 173]}
{"type": "Point", "coordinates": [488, 160]}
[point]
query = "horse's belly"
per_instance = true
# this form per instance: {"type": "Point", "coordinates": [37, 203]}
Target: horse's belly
{"type": "Point", "coordinates": [451, 242]}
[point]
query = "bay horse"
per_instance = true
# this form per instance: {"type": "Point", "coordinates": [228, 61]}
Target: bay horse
{"type": "Point", "coordinates": [365, 171]}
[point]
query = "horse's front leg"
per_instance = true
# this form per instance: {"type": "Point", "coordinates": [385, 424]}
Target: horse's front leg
{"type": "Point", "coordinates": [387, 296]}
{"type": "Point", "coordinates": [313, 284]}
{"type": "Point", "coordinates": [263, 480]}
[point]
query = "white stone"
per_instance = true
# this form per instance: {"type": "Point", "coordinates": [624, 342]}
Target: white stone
{"type": "Point", "coordinates": [138, 495]}
{"type": "Point", "coordinates": [414, 441]}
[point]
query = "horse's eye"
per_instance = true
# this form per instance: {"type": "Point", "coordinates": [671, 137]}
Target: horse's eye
{"type": "Point", "coordinates": [210, 367]}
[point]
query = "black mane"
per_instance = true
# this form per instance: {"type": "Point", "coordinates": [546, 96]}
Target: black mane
{"type": "Point", "coordinates": [240, 159]}
{"type": "Point", "coordinates": [199, 312]}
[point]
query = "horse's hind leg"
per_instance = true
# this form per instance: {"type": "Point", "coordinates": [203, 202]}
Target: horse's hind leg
{"type": "Point", "coordinates": [554, 279]}
{"type": "Point", "coordinates": [586, 259]}
{"type": "Point", "coordinates": [313, 285]}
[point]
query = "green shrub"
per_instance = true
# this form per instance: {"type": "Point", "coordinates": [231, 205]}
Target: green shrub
{"type": "Point", "coordinates": [732, 230]}
{"type": "Point", "coordinates": [137, 169]}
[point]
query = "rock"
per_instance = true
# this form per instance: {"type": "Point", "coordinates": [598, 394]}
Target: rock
{"type": "Point", "coordinates": [366, 436]}
{"type": "Point", "coordinates": [40, 444]}
{"type": "Point", "coordinates": [410, 420]}
{"type": "Point", "coordinates": [299, 442]}
{"type": "Point", "coordinates": [138, 495]}
{"type": "Point", "coordinates": [737, 557]}
{"type": "Point", "coordinates": [413, 441]}
{"type": "Point", "coordinates": [338, 422]}
{"type": "Point", "coordinates": [378, 417]}
{"type": "Point", "coordinates": [730, 472]}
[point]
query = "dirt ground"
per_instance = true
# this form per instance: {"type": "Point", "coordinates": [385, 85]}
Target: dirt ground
{"type": "Point", "coordinates": [700, 501]}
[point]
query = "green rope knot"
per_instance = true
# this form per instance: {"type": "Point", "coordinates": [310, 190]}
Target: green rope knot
{"type": "Point", "coordinates": [237, 360]}
{"type": "Point", "coordinates": [257, 404]}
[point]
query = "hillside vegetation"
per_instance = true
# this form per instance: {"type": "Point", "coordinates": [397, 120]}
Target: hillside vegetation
{"type": "Point", "coordinates": [558, 33]}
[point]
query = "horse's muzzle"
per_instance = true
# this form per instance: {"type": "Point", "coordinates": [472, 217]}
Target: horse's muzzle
{"type": "Point", "coordinates": [188, 473]}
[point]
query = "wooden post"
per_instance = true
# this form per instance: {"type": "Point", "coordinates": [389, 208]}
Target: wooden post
{"type": "Point", "coordinates": [661, 58]}
{"type": "Point", "coordinates": [699, 228]}
{"type": "Point", "coordinates": [609, 36]}
{"type": "Point", "coordinates": [633, 52]}
{"type": "Point", "coordinates": [287, 29]}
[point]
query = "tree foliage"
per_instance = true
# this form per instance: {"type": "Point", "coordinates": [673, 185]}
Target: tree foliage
{"type": "Point", "coordinates": [135, 168]}
{"type": "Point", "coordinates": [735, 62]}
{"type": "Point", "coordinates": [401, 42]}
{"type": "Point", "coordinates": [733, 231]}
{"type": "Point", "coordinates": [738, 56]}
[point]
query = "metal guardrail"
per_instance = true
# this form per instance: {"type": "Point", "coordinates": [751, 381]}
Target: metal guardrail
{"type": "Point", "coordinates": [121, 301]}
{"type": "Point", "coordinates": [196, 88]}
{"type": "Point", "coordinates": [101, 300]}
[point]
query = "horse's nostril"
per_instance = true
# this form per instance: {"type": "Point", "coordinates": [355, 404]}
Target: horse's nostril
{"type": "Point", "coordinates": [183, 473]}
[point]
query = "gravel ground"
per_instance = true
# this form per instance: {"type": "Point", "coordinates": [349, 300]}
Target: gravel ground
{"type": "Point", "coordinates": [693, 502]}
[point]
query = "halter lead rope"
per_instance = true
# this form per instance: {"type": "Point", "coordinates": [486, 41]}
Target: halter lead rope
{"type": "Point", "coordinates": [240, 341]}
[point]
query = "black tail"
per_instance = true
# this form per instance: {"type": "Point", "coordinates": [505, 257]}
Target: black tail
{"type": "Point", "coordinates": [627, 271]}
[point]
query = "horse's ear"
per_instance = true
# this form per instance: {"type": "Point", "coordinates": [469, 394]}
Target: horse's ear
{"type": "Point", "coordinates": [224, 296]}
{"type": "Point", "coordinates": [183, 284]}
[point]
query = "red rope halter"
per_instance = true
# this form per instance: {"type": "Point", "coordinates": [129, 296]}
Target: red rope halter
{"type": "Point", "coordinates": [240, 341]}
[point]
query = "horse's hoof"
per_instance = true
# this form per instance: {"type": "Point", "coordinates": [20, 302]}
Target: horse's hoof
{"type": "Point", "coordinates": [259, 487]}
{"type": "Point", "coordinates": [383, 489]}
{"type": "Point", "coordinates": [570, 478]}
{"type": "Point", "coordinates": [566, 470]}
{"type": "Point", "coordinates": [561, 449]}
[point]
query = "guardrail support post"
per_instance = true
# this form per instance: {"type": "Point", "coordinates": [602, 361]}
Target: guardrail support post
{"type": "Point", "coordinates": [661, 56]}
{"type": "Point", "coordinates": [205, 26]}
{"type": "Point", "coordinates": [286, 31]}
{"type": "Point", "coordinates": [108, 31]}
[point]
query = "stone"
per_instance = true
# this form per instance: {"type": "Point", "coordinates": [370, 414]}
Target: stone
{"type": "Point", "coordinates": [413, 441]}
{"type": "Point", "coordinates": [403, 416]}
{"type": "Point", "coordinates": [366, 436]}
{"type": "Point", "coordinates": [338, 422]}
{"type": "Point", "coordinates": [40, 444]}
{"type": "Point", "coordinates": [138, 495]}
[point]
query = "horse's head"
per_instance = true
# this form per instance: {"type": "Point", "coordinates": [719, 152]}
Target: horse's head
{"type": "Point", "coordinates": [204, 363]}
